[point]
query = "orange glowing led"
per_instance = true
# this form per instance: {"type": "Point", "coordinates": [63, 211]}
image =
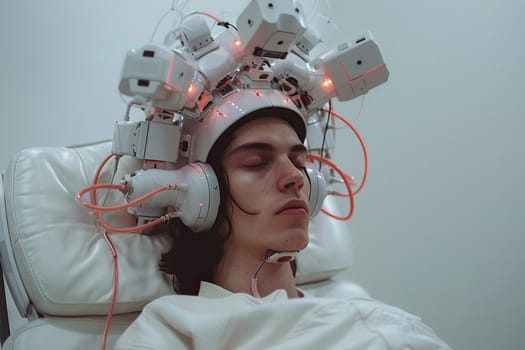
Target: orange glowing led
{"type": "Point", "coordinates": [327, 83]}
{"type": "Point", "coordinates": [237, 42]}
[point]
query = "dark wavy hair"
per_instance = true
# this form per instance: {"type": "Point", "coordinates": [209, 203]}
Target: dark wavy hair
{"type": "Point", "coordinates": [194, 256]}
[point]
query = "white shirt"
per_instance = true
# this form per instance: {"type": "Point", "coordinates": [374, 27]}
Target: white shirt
{"type": "Point", "coordinates": [219, 319]}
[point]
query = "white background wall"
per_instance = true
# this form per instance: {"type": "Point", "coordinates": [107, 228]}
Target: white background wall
{"type": "Point", "coordinates": [438, 230]}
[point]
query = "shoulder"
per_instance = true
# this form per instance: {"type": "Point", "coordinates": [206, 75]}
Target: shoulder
{"type": "Point", "coordinates": [151, 329]}
{"type": "Point", "coordinates": [395, 328]}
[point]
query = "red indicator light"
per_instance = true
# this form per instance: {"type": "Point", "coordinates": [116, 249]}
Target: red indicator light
{"type": "Point", "coordinates": [284, 259]}
{"type": "Point", "coordinates": [326, 83]}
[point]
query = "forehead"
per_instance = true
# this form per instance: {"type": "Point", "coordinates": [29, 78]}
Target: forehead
{"type": "Point", "coordinates": [269, 130]}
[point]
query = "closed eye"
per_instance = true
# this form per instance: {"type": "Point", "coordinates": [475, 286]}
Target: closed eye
{"type": "Point", "coordinates": [254, 161]}
{"type": "Point", "coordinates": [254, 165]}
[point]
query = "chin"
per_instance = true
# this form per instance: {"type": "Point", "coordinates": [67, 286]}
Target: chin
{"type": "Point", "coordinates": [295, 239]}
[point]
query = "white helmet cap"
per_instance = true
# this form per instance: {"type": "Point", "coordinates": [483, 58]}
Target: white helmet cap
{"type": "Point", "coordinates": [238, 107]}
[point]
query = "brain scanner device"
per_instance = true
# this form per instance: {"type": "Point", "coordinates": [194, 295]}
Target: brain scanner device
{"type": "Point", "coordinates": [204, 77]}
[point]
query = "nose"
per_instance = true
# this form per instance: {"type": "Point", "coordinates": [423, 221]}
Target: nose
{"type": "Point", "coordinates": [291, 178]}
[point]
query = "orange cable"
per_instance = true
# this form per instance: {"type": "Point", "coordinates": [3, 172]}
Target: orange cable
{"type": "Point", "coordinates": [363, 147]}
{"type": "Point", "coordinates": [93, 188]}
{"type": "Point", "coordinates": [206, 14]}
{"type": "Point", "coordinates": [113, 257]}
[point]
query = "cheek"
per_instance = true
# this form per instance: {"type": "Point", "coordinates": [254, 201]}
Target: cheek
{"type": "Point", "coordinates": [246, 189]}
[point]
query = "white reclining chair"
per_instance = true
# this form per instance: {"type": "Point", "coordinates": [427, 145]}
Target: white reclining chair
{"type": "Point", "coordinates": [58, 266]}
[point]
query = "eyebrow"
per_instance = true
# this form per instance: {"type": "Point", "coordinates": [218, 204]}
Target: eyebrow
{"type": "Point", "coordinates": [261, 146]}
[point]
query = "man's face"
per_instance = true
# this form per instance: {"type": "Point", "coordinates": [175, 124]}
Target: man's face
{"type": "Point", "coordinates": [264, 164]}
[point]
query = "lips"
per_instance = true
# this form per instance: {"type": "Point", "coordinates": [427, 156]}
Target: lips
{"type": "Point", "coordinates": [294, 206]}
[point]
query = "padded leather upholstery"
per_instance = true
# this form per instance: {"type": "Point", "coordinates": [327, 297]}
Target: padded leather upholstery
{"type": "Point", "coordinates": [61, 255]}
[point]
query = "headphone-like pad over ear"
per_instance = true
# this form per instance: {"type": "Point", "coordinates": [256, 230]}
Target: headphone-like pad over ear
{"type": "Point", "coordinates": [318, 190]}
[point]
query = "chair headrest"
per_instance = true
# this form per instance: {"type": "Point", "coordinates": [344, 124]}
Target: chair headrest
{"type": "Point", "coordinates": [61, 255]}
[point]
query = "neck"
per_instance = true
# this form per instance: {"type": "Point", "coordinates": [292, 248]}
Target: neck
{"type": "Point", "coordinates": [236, 270]}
